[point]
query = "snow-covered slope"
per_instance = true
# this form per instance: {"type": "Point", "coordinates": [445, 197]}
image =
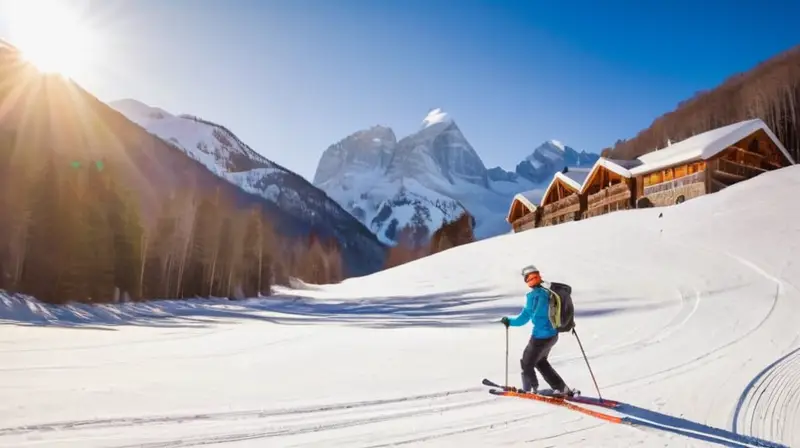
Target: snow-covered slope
{"type": "Point", "coordinates": [420, 181]}
{"type": "Point", "coordinates": [219, 150]}
{"type": "Point", "coordinates": [692, 325]}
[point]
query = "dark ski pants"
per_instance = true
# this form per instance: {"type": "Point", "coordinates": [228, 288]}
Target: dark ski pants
{"type": "Point", "coordinates": [535, 358]}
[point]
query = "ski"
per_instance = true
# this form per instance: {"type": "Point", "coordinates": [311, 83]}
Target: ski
{"type": "Point", "coordinates": [563, 402]}
{"type": "Point", "coordinates": [578, 398]}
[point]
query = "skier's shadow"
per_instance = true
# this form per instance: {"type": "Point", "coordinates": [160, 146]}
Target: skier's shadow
{"type": "Point", "coordinates": [641, 417]}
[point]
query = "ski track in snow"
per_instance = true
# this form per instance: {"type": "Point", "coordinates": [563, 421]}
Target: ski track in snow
{"type": "Point", "coordinates": [233, 415]}
{"type": "Point", "coordinates": [668, 310]}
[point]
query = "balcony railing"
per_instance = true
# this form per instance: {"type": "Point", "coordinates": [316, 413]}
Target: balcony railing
{"type": "Point", "coordinates": [614, 193]}
{"type": "Point", "coordinates": [524, 219]}
{"type": "Point", "coordinates": [675, 183]}
{"type": "Point", "coordinates": [565, 204]}
{"type": "Point", "coordinates": [735, 169]}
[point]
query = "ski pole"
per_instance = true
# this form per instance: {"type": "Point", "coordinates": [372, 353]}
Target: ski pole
{"type": "Point", "coordinates": [506, 356]}
{"type": "Point", "coordinates": [587, 364]}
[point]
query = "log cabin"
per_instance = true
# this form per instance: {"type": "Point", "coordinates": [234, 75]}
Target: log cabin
{"type": "Point", "coordinates": [608, 187]}
{"type": "Point", "coordinates": [706, 163]}
{"type": "Point", "coordinates": [701, 164]}
{"type": "Point", "coordinates": [562, 201]}
{"type": "Point", "coordinates": [523, 213]}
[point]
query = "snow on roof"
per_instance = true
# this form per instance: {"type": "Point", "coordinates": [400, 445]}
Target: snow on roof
{"type": "Point", "coordinates": [573, 178]}
{"type": "Point", "coordinates": [529, 198]}
{"type": "Point", "coordinates": [621, 167]}
{"type": "Point", "coordinates": [703, 146]}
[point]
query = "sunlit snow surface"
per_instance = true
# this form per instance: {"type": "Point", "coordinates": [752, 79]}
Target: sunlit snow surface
{"type": "Point", "coordinates": [692, 315]}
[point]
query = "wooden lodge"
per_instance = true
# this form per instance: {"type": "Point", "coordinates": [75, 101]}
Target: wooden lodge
{"type": "Point", "coordinates": [702, 164]}
{"type": "Point", "coordinates": [707, 163]}
{"type": "Point", "coordinates": [608, 187]}
{"type": "Point", "coordinates": [522, 215]}
{"type": "Point", "coordinates": [562, 201]}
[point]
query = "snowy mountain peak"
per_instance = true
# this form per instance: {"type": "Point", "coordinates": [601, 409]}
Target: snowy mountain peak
{"type": "Point", "coordinates": [376, 134]}
{"type": "Point", "coordinates": [550, 157]}
{"type": "Point", "coordinates": [419, 181]}
{"type": "Point", "coordinates": [436, 116]}
{"type": "Point", "coordinates": [363, 151]}
{"type": "Point", "coordinates": [209, 143]}
{"type": "Point", "coordinates": [224, 154]}
{"type": "Point", "coordinates": [139, 112]}
{"type": "Point", "coordinates": [557, 144]}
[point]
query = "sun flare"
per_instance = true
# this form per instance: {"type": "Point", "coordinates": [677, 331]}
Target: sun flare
{"type": "Point", "coordinates": [50, 36]}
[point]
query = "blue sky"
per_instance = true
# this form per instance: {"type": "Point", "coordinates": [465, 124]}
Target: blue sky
{"type": "Point", "coordinates": [292, 77]}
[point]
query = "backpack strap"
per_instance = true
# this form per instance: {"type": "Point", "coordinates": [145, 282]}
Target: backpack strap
{"type": "Point", "coordinates": [554, 309]}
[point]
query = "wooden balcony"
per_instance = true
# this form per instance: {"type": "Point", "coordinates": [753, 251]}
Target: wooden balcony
{"type": "Point", "coordinates": [697, 177]}
{"type": "Point", "coordinates": [524, 223]}
{"type": "Point", "coordinates": [735, 171]}
{"type": "Point", "coordinates": [615, 197]}
{"type": "Point", "coordinates": [614, 193]}
{"type": "Point", "coordinates": [567, 209]}
{"type": "Point", "coordinates": [568, 202]}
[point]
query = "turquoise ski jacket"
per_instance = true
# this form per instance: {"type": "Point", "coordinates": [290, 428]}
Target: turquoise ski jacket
{"type": "Point", "coordinates": [536, 310]}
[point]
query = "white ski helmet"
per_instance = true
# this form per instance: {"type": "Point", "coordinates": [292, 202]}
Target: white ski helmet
{"type": "Point", "coordinates": [527, 270]}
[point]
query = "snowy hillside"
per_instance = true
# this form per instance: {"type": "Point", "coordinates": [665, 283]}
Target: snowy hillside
{"type": "Point", "coordinates": [212, 145]}
{"type": "Point", "coordinates": [429, 176]}
{"type": "Point", "coordinates": [219, 150]}
{"type": "Point", "coordinates": [689, 319]}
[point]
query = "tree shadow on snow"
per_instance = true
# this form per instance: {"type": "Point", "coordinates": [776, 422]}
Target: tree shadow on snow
{"type": "Point", "coordinates": [462, 308]}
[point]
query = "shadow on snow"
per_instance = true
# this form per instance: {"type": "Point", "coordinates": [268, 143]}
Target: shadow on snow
{"type": "Point", "coordinates": [656, 420]}
{"type": "Point", "coordinates": [447, 309]}
{"type": "Point", "coordinates": [645, 418]}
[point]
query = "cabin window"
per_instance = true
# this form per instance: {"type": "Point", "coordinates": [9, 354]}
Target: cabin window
{"type": "Point", "coordinates": [681, 171]}
{"type": "Point", "coordinates": [655, 178]}
{"type": "Point", "coordinates": [646, 181]}
{"type": "Point", "coordinates": [668, 174]}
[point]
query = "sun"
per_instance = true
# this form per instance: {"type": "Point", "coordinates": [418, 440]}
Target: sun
{"type": "Point", "coordinates": [50, 35]}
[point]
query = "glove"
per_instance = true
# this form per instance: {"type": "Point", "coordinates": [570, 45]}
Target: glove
{"type": "Point", "coordinates": [504, 321]}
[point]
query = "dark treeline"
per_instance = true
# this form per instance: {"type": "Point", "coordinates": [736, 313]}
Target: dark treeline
{"type": "Point", "coordinates": [770, 91]}
{"type": "Point", "coordinates": [71, 231]}
{"type": "Point", "coordinates": [450, 234]}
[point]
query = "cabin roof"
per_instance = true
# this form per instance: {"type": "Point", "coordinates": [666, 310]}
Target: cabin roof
{"type": "Point", "coordinates": [530, 198]}
{"type": "Point", "coordinates": [573, 179]}
{"type": "Point", "coordinates": [703, 146]}
{"type": "Point", "coordinates": [621, 167]}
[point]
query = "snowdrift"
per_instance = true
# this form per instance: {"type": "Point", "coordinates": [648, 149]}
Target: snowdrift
{"type": "Point", "coordinates": [690, 316]}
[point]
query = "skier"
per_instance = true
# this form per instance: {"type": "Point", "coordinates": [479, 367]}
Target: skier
{"type": "Point", "coordinates": [544, 335]}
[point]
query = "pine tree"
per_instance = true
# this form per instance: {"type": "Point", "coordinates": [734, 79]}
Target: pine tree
{"type": "Point", "coordinates": [44, 247]}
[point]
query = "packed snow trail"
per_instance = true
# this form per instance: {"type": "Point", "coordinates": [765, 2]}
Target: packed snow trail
{"type": "Point", "coordinates": [689, 320]}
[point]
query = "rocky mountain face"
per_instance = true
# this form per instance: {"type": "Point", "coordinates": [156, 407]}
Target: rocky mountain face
{"type": "Point", "coordinates": [431, 177]}
{"type": "Point", "coordinates": [221, 152]}
{"type": "Point", "coordinates": [421, 181]}
{"type": "Point", "coordinates": [550, 157]}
